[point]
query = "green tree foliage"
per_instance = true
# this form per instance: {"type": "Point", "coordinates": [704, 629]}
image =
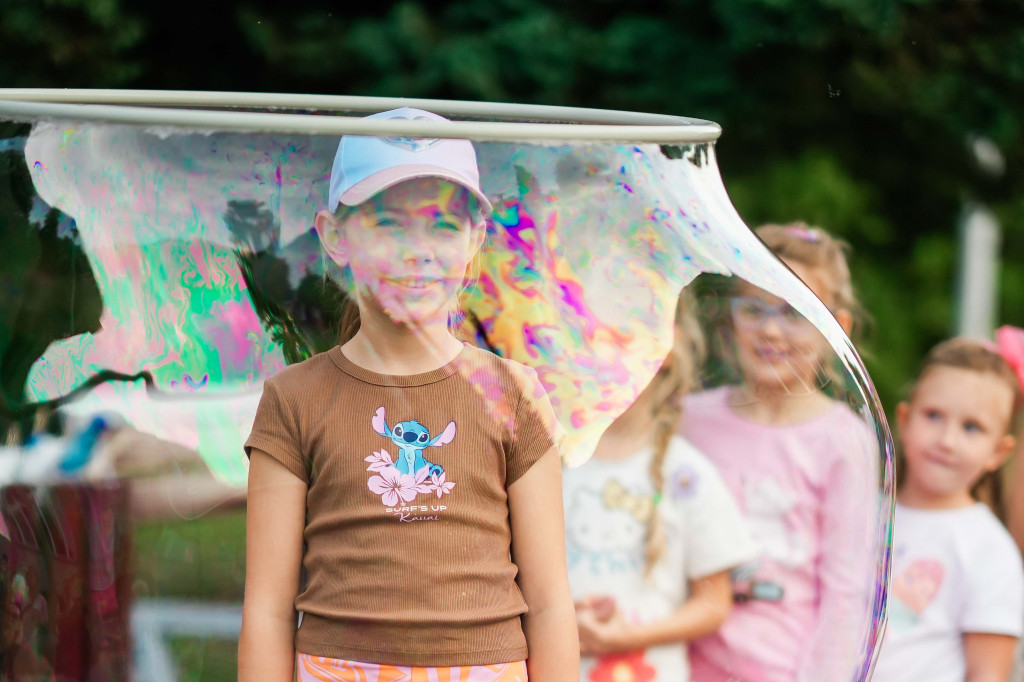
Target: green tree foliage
{"type": "Point", "coordinates": [851, 114]}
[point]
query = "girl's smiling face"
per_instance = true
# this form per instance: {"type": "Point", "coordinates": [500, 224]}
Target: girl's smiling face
{"type": "Point", "coordinates": [777, 348]}
{"type": "Point", "coordinates": [953, 431]}
{"type": "Point", "coordinates": [407, 248]}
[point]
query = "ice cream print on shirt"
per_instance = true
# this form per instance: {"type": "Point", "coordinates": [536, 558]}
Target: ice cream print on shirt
{"type": "Point", "coordinates": [400, 480]}
{"type": "Point", "coordinates": [913, 590]}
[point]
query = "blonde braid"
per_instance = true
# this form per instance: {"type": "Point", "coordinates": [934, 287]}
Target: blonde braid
{"type": "Point", "coordinates": [677, 373]}
{"type": "Point", "coordinates": [666, 418]}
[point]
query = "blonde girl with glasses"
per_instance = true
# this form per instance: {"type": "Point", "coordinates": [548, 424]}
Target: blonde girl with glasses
{"type": "Point", "coordinates": [799, 464]}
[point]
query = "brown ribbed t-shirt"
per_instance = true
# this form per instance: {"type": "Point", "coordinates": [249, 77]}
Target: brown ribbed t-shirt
{"type": "Point", "coordinates": [407, 533]}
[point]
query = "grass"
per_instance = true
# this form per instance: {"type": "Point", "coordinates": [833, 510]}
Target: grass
{"type": "Point", "coordinates": [204, 660]}
{"type": "Point", "coordinates": [201, 560]}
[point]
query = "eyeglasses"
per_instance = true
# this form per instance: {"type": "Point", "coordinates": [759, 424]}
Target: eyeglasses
{"type": "Point", "coordinates": [753, 313]}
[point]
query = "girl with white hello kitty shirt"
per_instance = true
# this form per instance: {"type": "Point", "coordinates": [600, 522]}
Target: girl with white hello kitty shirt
{"type": "Point", "coordinates": [652, 533]}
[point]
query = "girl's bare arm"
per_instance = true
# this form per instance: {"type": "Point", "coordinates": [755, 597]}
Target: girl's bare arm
{"type": "Point", "coordinates": [989, 657]}
{"type": "Point", "coordinates": [703, 613]}
{"type": "Point", "coordinates": [273, 555]}
{"type": "Point", "coordinates": [538, 549]}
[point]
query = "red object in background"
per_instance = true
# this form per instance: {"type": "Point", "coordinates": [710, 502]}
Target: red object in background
{"type": "Point", "coordinates": [109, 581]}
{"type": "Point", "coordinates": [65, 582]}
{"type": "Point", "coordinates": [623, 667]}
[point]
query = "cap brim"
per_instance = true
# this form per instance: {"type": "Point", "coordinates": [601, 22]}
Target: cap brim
{"type": "Point", "coordinates": [382, 180]}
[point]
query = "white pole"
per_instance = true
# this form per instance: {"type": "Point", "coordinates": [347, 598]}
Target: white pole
{"type": "Point", "coordinates": [980, 241]}
{"type": "Point", "coordinates": [977, 280]}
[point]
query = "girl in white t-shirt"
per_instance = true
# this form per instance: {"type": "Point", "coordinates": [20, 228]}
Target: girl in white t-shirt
{"type": "Point", "coordinates": [956, 600]}
{"type": "Point", "coordinates": [651, 534]}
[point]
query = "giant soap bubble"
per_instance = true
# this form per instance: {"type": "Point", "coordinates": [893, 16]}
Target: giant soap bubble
{"type": "Point", "coordinates": [159, 263]}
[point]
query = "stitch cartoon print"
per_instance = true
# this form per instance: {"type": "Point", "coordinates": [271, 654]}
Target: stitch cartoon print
{"type": "Point", "coordinates": [400, 482]}
{"type": "Point", "coordinates": [411, 437]}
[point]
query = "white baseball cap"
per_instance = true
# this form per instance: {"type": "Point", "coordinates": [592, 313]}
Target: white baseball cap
{"type": "Point", "coordinates": [366, 165]}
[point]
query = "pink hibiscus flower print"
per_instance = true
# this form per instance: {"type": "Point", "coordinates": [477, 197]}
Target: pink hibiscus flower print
{"type": "Point", "coordinates": [438, 485]}
{"type": "Point", "coordinates": [392, 486]}
{"type": "Point", "coordinates": [379, 461]}
{"type": "Point", "coordinates": [421, 483]}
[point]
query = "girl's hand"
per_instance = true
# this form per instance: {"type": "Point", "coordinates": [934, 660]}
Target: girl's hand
{"type": "Point", "coordinates": [602, 605]}
{"type": "Point", "coordinates": [603, 635]}
{"type": "Point", "coordinates": [603, 629]}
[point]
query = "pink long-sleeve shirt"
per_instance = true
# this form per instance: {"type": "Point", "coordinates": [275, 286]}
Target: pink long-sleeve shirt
{"type": "Point", "coordinates": [809, 494]}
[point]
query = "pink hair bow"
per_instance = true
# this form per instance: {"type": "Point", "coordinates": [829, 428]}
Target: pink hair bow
{"type": "Point", "coordinates": [808, 234]}
{"type": "Point", "coordinates": [1010, 343]}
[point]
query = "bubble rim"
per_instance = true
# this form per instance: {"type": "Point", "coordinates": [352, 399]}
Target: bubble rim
{"type": "Point", "coordinates": [222, 111]}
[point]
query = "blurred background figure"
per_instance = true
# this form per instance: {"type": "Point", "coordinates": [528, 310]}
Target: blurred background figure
{"type": "Point", "coordinates": [652, 533]}
{"type": "Point", "coordinates": [71, 497]}
{"type": "Point", "coordinates": [798, 461]}
{"type": "Point", "coordinates": [957, 591]}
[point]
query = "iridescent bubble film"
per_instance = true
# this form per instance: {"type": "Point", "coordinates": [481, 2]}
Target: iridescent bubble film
{"type": "Point", "coordinates": [157, 278]}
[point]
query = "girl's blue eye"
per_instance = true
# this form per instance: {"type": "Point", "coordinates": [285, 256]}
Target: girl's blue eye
{"type": "Point", "coordinates": [932, 415]}
{"type": "Point", "coordinates": [973, 427]}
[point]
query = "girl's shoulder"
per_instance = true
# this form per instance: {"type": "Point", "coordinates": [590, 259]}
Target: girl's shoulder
{"type": "Point", "coordinates": [840, 412]}
{"type": "Point", "coordinates": [482, 367]}
{"type": "Point", "coordinates": [476, 357]}
{"type": "Point", "coordinates": [847, 431]}
{"type": "Point", "coordinates": [991, 542]}
{"type": "Point", "coordinates": [682, 451]}
{"type": "Point", "coordinates": [689, 475]}
{"type": "Point", "coordinates": [711, 398]}
{"type": "Point", "coordinates": [712, 403]}
{"type": "Point", "coordinates": [483, 358]}
{"type": "Point", "coordinates": [974, 529]}
{"type": "Point", "coordinates": [984, 528]}
{"type": "Point", "coordinates": [297, 378]}
{"type": "Point", "coordinates": [715, 402]}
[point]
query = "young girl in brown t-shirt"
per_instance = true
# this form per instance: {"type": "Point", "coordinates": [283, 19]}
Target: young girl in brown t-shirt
{"type": "Point", "coordinates": [415, 479]}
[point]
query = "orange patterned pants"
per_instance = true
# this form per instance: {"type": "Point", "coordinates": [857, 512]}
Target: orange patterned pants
{"type": "Point", "coordinates": [320, 669]}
